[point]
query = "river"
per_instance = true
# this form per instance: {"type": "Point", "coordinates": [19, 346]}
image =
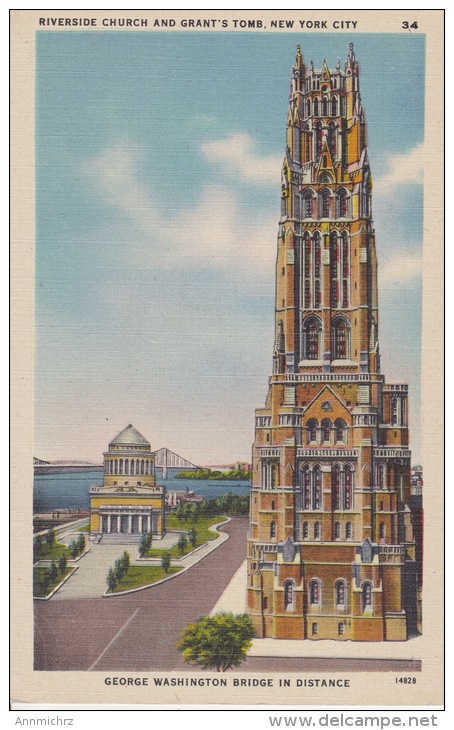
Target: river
{"type": "Point", "coordinates": [71, 491]}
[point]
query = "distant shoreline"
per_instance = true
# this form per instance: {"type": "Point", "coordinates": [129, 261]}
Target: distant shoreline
{"type": "Point", "coordinates": [67, 469]}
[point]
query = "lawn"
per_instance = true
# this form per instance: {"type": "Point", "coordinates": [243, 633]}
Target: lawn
{"type": "Point", "coordinates": [54, 552]}
{"type": "Point", "coordinates": [39, 590]}
{"type": "Point", "coordinates": [142, 575]}
{"type": "Point", "coordinates": [204, 534]}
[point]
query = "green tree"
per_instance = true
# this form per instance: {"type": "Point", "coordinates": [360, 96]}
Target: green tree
{"type": "Point", "coordinates": [53, 571]}
{"type": "Point", "coordinates": [73, 549]}
{"type": "Point", "coordinates": [180, 512]}
{"type": "Point", "coordinates": [182, 543]}
{"type": "Point", "coordinates": [111, 579]}
{"type": "Point", "coordinates": [81, 542]}
{"type": "Point", "coordinates": [193, 536]}
{"type": "Point", "coordinates": [50, 536]}
{"type": "Point", "coordinates": [217, 642]}
{"type": "Point", "coordinates": [166, 561]}
{"type": "Point", "coordinates": [145, 543]}
{"type": "Point", "coordinates": [62, 563]}
{"type": "Point", "coordinates": [37, 547]}
{"type": "Point", "coordinates": [45, 581]}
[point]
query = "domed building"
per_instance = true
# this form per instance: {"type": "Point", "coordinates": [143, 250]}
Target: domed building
{"type": "Point", "coordinates": [128, 502]}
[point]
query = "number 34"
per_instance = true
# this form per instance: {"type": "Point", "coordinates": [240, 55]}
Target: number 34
{"type": "Point", "coordinates": [406, 25]}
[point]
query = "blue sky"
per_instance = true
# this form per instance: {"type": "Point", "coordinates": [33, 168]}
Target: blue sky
{"type": "Point", "coordinates": [158, 174]}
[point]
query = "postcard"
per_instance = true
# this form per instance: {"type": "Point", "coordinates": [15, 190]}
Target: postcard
{"type": "Point", "coordinates": [227, 358]}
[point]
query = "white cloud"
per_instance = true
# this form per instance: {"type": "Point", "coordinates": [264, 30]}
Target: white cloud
{"type": "Point", "coordinates": [401, 268]}
{"type": "Point", "coordinates": [216, 233]}
{"type": "Point", "coordinates": [402, 170]}
{"type": "Point", "coordinates": [235, 155]}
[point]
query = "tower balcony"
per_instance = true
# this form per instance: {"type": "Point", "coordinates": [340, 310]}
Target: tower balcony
{"type": "Point", "coordinates": [305, 453]}
{"type": "Point", "coordinates": [392, 452]}
{"type": "Point", "coordinates": [325, 378]}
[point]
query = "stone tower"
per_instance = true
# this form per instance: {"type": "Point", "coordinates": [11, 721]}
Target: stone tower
{"type": "Point", "coordinates": [331, 552]}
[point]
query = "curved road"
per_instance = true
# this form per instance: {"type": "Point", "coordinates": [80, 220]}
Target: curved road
{"type": "Point", "coordinates": [139, 632]}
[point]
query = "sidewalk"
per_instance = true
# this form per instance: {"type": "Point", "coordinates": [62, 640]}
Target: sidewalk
{"type": "Point", "coordinates": [234, 599]}
{"type": "Point", "coordinates": [89, 581]}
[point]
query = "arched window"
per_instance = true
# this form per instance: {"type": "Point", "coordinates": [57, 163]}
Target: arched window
{"type": "Point", "coordinates": [345, 268]}
{"type": "Point", "coordinates": [379, 473]}
{"type": "Point", "coordinates": [308, 108]}
{"type": "Point", "coordinates": [314, 592]}
{"type": "Point", "coordinates": [341, 593]}
{"type": "Point", "coordinates": [312, 429]}
{"type": "Point", "coordinates": [337, 530]}
{"type": "Point", "coordinates": [325, 204]}
{"type": "Point", "coordinates": [334, 268]}
{"type": "Point", "coordinates": [317, 267]}
{"type": "Point", "coordinates": [316, 487]}
{"type": "Point", "coordinates": [308, 204]}
{"type": "Point", "coordinates": [305, 530]}
{"type": "Point", "coordinates": [315, 107]}
{"type": "Point", "coordinates": [306, 484]}
{"type": "Point", "coordinates": [318, 138]}
{"type": "Point", "coordinates": [348, 487]}
{"type": "Point", "coordinates": [272, 529]}
{"type": "Point", "coordinates": [382, 531]}
{"type": "Point", "coordinates": [367, 596]}
{"type": "Point", "coordinates": [334, 106]}
{"type": "Point", "coordinates": [317, 531]}
{"type": "Point", "coordinates": [288, 595]}
{"type": "Point", "coordinates": [332, 139]}
{"type": "Point", "coordinates": [336, 484]}
{"type": "Point", "coordinates": [340, 430]}
{"type": "Point", "coordinates": [342, 203]}
{"type": "Point", "coordinates": [326, 430]}
{"type": "Point", "coordinates": [312, 330]}
{"type": "Point", "coordinates": [341, 339]}
{"type": "Point", "coordinates": [324, 106]}
{"type": "Point", "coordinates": [348, 531]}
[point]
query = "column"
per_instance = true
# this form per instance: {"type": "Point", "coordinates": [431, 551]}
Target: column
{"type": "Point", "coordinates": [129, 524]}
{"type": "Point", "coordinates": [109, 523]}
{"type": "Point", "coordinates": [140, 524]}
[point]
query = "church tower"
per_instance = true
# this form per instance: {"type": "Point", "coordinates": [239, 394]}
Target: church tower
{"type": "Point", "coordinates": [331, 551]}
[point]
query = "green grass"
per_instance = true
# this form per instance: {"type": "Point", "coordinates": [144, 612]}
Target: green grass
{"type": "Point", "coordinates": [204, 534]}
{"type": "Point", "coordinates": [54, 552]}
{"type": "Point", "coordinates": [84, 528]}
{"type": "Point", "coordinates": [142, 575]}
{"type": "Point", "coordinates": [39, 591]}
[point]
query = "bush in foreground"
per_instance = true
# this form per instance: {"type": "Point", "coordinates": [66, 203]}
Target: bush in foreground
{"type": "Point", "coordinates": [217, 642]}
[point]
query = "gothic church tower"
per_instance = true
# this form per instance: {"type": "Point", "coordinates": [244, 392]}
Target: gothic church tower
{"type": "Point", "coordinates": [331, 548]}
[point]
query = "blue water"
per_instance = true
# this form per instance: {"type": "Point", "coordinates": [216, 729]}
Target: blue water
{"type": "Point", "coordinates": [71, 491]}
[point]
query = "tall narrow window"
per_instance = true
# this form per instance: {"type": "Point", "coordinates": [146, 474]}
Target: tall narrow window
{"type": "Point", "coordinates": [342, 203]}
{"type": "Point", "coordinates": [348, 488]}
{"type": "Point", "coordinates": [325, 203]}
{"type": "Point", "coordinates": [305, 530]}
{"type": "Point", "coordinates": [288, 595]}
{"type": "Point", "coordinates": [311, 338]}
{"type": "Point", "coordinates": [336, 486]}
{"type": "Point", "coordinates": [340, 430]}
{"type": "Point", "coordinates": [308, 204]}
{"type": "Point", "coordinates": [334, 266]}
{"type": "Point", "coordinates": [306, 488]}
{"type": "Point", "coordinates": [315, 107]}
{"type": "Point", "coordinates": [318, 138]}
{"type": "Point", "coordinates": [317, 256]}
{"type": "Point", "coordinates": [341, 339]}
{"type": "Point", "coordinates": [324, 107]}
{"type": "Point", "coordinates": [367, 596]}
{"type": "Point", "coordinates": [326, 430]}
{"type": "Point", "coordinates": [334, 106]}
{"type": "Point", "coordinates": [314, 592]}
{"type": "Point", "coordinates": [348, 531]}
{"type": "Point", "coordinates": [317, 530]}
{"type": "Point", "coordinates": [337, 530]}
{"type": "Point", "coordinates": [340, 593]}
{"type": "Point", "coordinates": [316, 488]}
{"type": "Point", "coordinates": [308, 108]}
{"type": "Point", "coordinates": [312, 428]}
{"type": "Point", "coordinates": [272, 530]}
{"type": "Point", "coordinates": [332, 139]}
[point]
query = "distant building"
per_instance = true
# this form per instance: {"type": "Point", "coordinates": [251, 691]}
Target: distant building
{"type": "Point", "coordinates": [128, 502]}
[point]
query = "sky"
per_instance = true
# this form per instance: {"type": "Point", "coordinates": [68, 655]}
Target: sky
{"type": "Point", "coordinates": [158, 159]}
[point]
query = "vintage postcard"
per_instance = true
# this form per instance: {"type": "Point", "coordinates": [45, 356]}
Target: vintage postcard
{"type": "Point", "coordinates": [227, 482]}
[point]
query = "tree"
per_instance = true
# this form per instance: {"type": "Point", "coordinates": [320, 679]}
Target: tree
{"type": "Point", "coordinates": [81, 543]}
{"type": "Point", "coordinates": [220, 641]}
{"type": "Point", "coordinates": [193, 536]}
{"type": "Point", "coordinates": [62, 563]}
{"type": "Point", "coordinates": [182, 543]}
{"type": "Point", "coordinates": [166, 561]}
{"type": "Point", "coordinates": [50, 536]}
{"type": "Point", "coordinates": [180, 512]}
{"type": "Point", "coordinates": [111, 579]}
{"type": "Point", "coordinates": [37, 547]}
{"type": "Point", "coordinates": [53, 571]}
{"type": "Point", "coordinates": [145, 543]}
{"type": "Point", "coordinates": [73, 549]}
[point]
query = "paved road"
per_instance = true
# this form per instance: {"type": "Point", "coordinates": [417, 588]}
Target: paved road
{"type": "Point", "coordinates": [139, 632]}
